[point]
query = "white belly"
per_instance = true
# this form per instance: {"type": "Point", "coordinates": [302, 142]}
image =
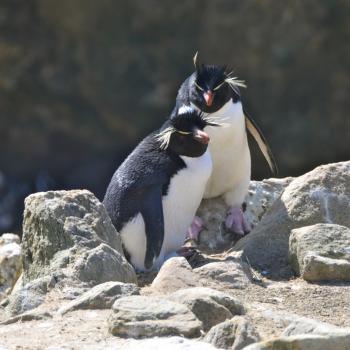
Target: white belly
{"type": "Point", "coordinates": [230, 154]}
{"type": "Point", "coordinates": [184, 195]}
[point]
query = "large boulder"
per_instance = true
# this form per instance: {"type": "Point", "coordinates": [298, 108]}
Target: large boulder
{"type": "Point", "coordinates": [320, 252]}
{"type": "Point", "coordinates": [69, 234]}
{"type": "Point", "coordinates": [320, 196]}
{"type": "Point", "coordinates": [176, 273]}
{"type": "Point", "coordinates": [101, 296]}
{"type": "Point", "coordinates": [233, 334]}
{"type": "Point", "coordinates": [210, 306]}
{"type": "Point", "coordinates": [10, 262]}
{"type": "Point", "coordinates": [306, 334]}
{"type": "Point", "coordinates": [213, 212]}
{"type": "Point", "coordinates": [141, 317]}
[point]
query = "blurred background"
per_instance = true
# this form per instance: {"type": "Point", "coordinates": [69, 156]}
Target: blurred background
{"type": "Point", "coordinates": [82, 81]}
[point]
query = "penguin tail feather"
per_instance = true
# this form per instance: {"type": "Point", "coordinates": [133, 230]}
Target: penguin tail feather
{"type": "Point", "coordinates": [262, 143]}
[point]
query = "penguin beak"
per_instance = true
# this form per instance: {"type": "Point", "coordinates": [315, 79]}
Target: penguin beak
{"type": "Point", "coordinates": [201, 136]}
{"type": "Point", "coordinates": [209, 97]}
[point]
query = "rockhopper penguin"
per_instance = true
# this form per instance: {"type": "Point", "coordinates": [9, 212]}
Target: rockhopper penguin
{"type": "Point", "coordinates": [154, 194]}
{"type": "Point", "coordinates": [214, 91]}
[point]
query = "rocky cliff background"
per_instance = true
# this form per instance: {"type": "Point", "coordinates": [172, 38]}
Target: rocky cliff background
{"type": "Point", "coordinates": [81, 82]}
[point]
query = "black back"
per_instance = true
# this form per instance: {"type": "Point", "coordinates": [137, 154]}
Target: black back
{"type": "Point", "coordinates": [144, 177]}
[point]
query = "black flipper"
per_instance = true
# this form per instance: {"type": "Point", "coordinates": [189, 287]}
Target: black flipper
{"type": "Point", "coordinates": [152, 213]}
{"type": "Point", "coordinates": [261, 141]}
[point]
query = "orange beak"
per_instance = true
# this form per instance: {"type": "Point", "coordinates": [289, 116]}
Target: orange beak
{"type": "Point", "coordinates": [201, 136]}
{"type": "Point", "coordinates": [209, 97]}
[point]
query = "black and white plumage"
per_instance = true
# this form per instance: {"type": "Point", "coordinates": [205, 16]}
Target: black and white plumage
{"type": "Point", "coordinates": [214, 91]}
{"type": "Point", "coordinates": [156, 191]}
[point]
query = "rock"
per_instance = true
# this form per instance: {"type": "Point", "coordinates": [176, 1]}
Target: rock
{"type": "Point", "coordinates": [29, 296]}
{"type": "Point", "coordinates": [231, 273]}
{"type": "Point", "coordinates": [140, 316]}
{"type": "Point", "coordinates": [210, 306]}
{"type": "Point", "coordinates": [169, 343]}
{"type": "Point", "coordinates": [10, 262]}
{"type": "Point", "coordinates": [101, 296]}
{"type": "Point", "coordinates": [27, 316]}
{"type": "Point", "coordinates": [175, 273]}
{"type": "Point", "coordinates": [307, 334]}
{"type": "Point", "coordinates": [338, 341]}
{"type": "Point", "coordinates": [70, 233]}
{"type": "Point", "coordinates": [304, 325]}
{"type": "Point", "coordinates": [319, 252]}
{"type": "Point", "coordinates": [261, 196]}
{"type": "Point", "coordinates": [233, 334]}
{"type": "Point", "coordinates": [320, 196]}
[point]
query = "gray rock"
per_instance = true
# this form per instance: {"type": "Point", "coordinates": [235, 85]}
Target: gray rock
{"type": "Point", "coordinates": [140, 316]}
{"type": "Point", "coordinates": [210, 306]}
{"type": "Point", "coordinates": [69, 232]}
{"type": "Point", "coordinates": [320, 196]}
{"type": "Point", "coordinates": [261, 196]}
{"type": "Point", "coordinates": [101, 296]}
{"type": "Point", "coordinates": [27, 316]}
{"type": "Point", "coordinates": [10, 262]}
{"type": "Point", "coordinates": [29, 296]}
{"type": "Point", "coordinates": [318, 252]}
{"type": "Point", "coordinates": [231, 273]}
{"type": "Point", "coordinates": [169, 343]}
{"type": "Point", "coordinates": [175, 273]}
{"type": "Point", "coordinates": [308, 326]}
{"type": "Point", "coordinates": [233, 334]}
{"type": "Point", "coordinates": [330, 341]}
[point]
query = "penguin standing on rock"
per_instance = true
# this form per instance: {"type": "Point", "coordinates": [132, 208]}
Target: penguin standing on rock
{"type": "Point", "coordinates": [155, 193]}
{"type": "Point", "coordinates": [213, 91]}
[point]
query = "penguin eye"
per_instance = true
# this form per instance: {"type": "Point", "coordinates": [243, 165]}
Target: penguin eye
{"type": "Point", "coordinates": [219, 86]}
{"type": "Point", "coordinates": [198, 87]}
{"type": "Point", "coordinates": [183, 132]}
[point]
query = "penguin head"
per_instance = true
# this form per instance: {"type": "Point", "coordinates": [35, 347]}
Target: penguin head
{"type": "Point", "coordinates": [212, 86]}
{"type": "Point", "coordinates": [183, 134]}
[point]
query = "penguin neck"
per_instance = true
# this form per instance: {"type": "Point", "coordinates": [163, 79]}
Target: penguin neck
{"type": "Point", "coordinates": [232, 117]}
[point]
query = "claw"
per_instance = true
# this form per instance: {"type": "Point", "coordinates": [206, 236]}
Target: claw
{"type": "Point", "coordinates": [236, 222]}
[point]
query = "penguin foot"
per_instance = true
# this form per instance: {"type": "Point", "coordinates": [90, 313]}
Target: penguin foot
{"type": "Point", "coordinates": [236, 222]}
{"type": "Point", "coordinates": [195, 228]}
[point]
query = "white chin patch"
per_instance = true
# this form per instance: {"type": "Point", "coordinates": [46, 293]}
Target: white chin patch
{"type": "Point", "coordinates": [185, 109]}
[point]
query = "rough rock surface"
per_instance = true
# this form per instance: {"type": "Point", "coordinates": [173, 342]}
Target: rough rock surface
{"type": "Point", "coordinates": [321, 252]}
{"type": "Point", "coordinates": [320, 196]}
{"type": "Point", "coordinates": [329, 341]}
{"type": "Point", "coordinates": [309, 326]}
{"type": "Point", "coordinates": [29, 296]}
{"type": "Point", "coordinates": [176, 273]}
{"type": "Point", "coordinates": [261, 196]}
{"type": "Point", "coordinates": [140, 317]}
{"type": "Point", "coordinates": [10, 262]}
{"type": "Point", "coordinates": [233, 334]}
{"type": "Point", "coordinates": [231, 273]}
{"type": "Point", "coordinates": [70, 233]}
{"type": "Point", "coordinates": [101, 296]}
{"type": "Point", "coordinates": [210, 306]}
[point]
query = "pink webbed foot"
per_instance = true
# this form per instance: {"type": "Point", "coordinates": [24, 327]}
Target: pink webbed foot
{"type": "Point", "coordinates": [195, 228]}
{"type": "Point", "coordinates": [236, 222]}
